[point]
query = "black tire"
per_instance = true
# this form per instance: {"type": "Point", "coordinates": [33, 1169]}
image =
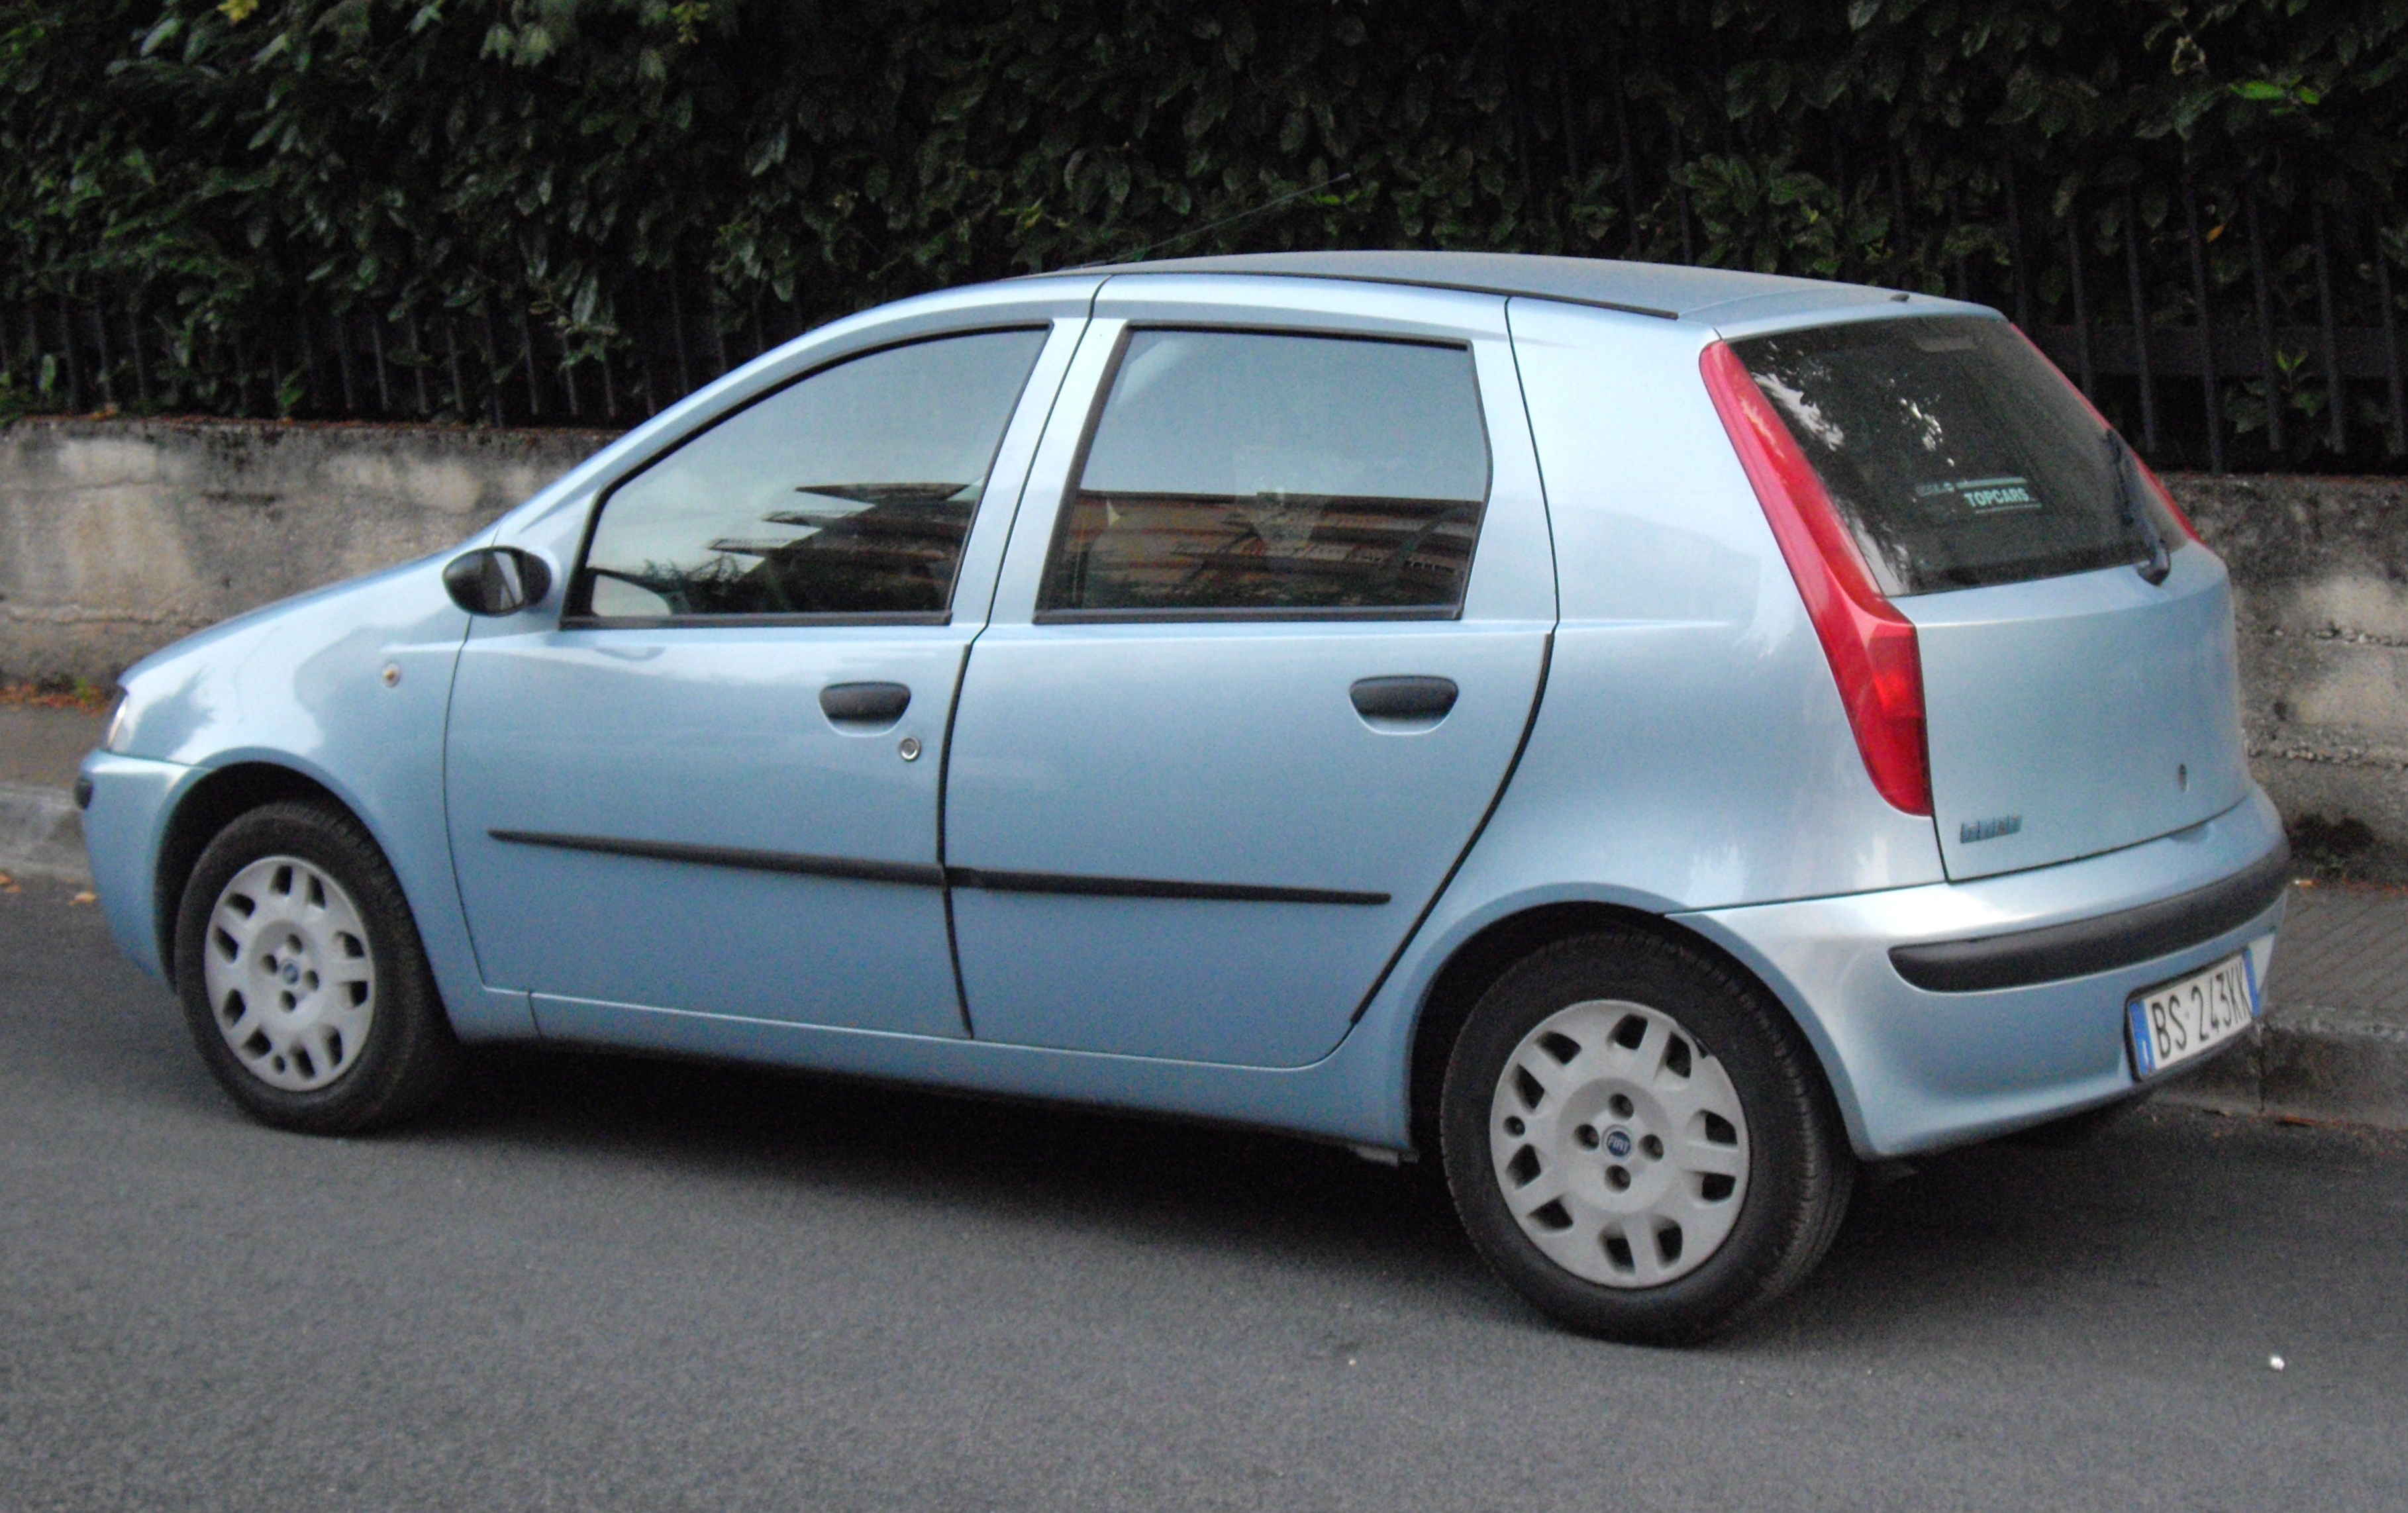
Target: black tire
{"type": "Point", "coordinates": [408, 1057]}
{"type": "Point", "coordinates": [1799, 1168]}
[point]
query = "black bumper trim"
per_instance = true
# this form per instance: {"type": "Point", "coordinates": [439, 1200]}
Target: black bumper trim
{"type": "Point", "coordinates": [2056, 953]}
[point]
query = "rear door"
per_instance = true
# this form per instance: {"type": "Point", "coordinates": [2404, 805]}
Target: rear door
{"type": "Point", "coordinates": [1253, 683]}
{"type": "Point", "coordinates": [2077, 643]}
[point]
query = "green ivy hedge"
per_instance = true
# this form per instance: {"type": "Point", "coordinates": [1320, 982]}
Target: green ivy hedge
{"type": "Point", "coordinates": [475, 208]}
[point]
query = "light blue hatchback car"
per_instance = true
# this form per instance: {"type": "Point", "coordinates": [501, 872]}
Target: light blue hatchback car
{"type": "Point", "coordinates": [1645, 737]}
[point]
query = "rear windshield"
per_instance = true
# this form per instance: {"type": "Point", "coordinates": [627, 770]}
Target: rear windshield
{"type": "Point", "coordinates": [1954, 452]}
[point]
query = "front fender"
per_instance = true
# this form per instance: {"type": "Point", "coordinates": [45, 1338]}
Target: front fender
{"type": "Point", "coordinates": [349, 688]}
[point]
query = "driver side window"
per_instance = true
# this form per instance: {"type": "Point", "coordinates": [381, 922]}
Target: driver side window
{"type": "Point", "coordinates": [847, 493]}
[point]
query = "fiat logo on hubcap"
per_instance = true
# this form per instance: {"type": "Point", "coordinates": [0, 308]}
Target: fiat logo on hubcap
{"type": "Point", "coordinates": [1617, 1144]}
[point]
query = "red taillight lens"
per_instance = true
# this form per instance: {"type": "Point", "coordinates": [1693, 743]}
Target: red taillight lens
{"type": "Point", "coordinates": [1871, 647]}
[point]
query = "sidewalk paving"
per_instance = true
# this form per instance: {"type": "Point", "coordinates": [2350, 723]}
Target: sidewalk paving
{"type": "Point", "coordinates": [2334, 1041]}
{"type": "Point", "coordinates": [2333, 1044]}
{"type": "Point", "coordinates": [42, 748]}
{"type": "Point", "coordinates": [41, 834]}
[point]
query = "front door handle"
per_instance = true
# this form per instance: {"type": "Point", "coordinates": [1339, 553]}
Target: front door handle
{"type": "Point", "coordinates": [865, 704]}
{"type": "Point", "coordinates": [1403, 698]}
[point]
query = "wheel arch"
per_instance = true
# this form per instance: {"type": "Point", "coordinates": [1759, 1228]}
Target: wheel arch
{"type": "Point", "coordinates": [1476, 963]}
{"type": "Point", "coordinates": [211, 804]}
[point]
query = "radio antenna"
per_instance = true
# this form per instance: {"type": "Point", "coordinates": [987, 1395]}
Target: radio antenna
{"type": "Point", "coordinates": [1225, 220]}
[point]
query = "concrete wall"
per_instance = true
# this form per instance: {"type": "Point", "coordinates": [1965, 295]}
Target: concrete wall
{"type": "Point", "coordinates": [117, 537]}
{"type": "Point", "coordinates": [2321, 567]}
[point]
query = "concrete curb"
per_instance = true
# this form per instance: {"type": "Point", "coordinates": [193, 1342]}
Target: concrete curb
{"type": "Point", "coordinates": [41, 834]}
{"type": "Point", "coordinates": [2310, 1064]}
{"type": "Point", "coordinates": [2301, 1063]}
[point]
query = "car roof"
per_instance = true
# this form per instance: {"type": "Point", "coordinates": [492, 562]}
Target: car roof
{"type": "Point", "coordinates": [1671, 291]}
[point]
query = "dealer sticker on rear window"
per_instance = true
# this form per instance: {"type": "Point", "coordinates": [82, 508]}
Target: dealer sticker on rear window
{"type": "Point", "coordinates": [1981, 496]}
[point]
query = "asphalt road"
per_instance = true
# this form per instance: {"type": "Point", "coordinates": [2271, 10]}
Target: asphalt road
{"type": "Point", "coordinates": [601, 1283]}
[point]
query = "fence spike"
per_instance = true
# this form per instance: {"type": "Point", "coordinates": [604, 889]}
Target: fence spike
{"type": "Point", "coordinates": [451, 350]}
{"type": "Point", "coordinates": [2397, 442]}
{"type": "Point", "coordinates": [308, 358]}
{"type": "Point", "coordinates": [677, 330]}
{"type": "Point", "coordinates": [1957, 257]}
{"type": "Point", "coordinates": [2081, 303]}
{"type": "Point", "coordinates": [2139, 320]}
{"type": "Point", "coordinates": [1622, 137]}
{"type": "Point", "coordinates": [100, 334]}
{"type": "Point", "coordinates": [376, 341]}
{"type": "Point", "coordinates": [526, 354]}
{"type": "Point", "coordinates": [2266, 362]}
{"type": "Point", "coordinates": [67, 346]}
{"type": "Point", "coordinates": [2206, 326]}
{"type": "Point", "coordinates": [338, 321]}
{"type": "Point", "coordinates": [2015, 244]}
{"type": "Point", "coordinates": [494, 370]}
{"type": "Point", "coordinates": [418, 366]}
{"type": "Point", "coordinates": [2337, 393]}
{"type": "Point", "coordinates": [134, 347]}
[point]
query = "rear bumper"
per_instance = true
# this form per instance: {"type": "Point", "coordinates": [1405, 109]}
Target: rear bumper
{"type": "Point", "coordinates": [1956, 1011]}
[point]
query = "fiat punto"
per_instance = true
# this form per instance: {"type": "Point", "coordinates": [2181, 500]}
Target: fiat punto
{"type": "Point", "coordinates": [1647, 738]}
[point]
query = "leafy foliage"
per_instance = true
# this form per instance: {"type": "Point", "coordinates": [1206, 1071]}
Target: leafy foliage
{"type": "Point", "coordinates": [178, 179]}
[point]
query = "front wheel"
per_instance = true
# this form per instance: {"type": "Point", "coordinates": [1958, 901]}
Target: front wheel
{"type": "Point", "coordinates": [302, 978]}
{"type": "Point", "coordinates": [1639, 1140]}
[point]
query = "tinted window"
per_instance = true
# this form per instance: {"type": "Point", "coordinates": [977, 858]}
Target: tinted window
{"type": "Point", "coordinates": [1238, 471]}
{"type": "Point", "coordinates": [848, 493]}
{"type": "Point", "coordinates": [1955, 452]}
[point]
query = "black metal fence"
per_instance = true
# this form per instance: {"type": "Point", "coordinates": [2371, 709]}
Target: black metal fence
{"type": "Point", "coordinates": [2176, 372]}
{"type": "Point", "coordinates": [2209, 341]}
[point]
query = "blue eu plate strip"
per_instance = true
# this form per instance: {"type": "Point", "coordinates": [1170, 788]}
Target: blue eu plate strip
{"type": "Point", "coordinates": [2144, 1058]}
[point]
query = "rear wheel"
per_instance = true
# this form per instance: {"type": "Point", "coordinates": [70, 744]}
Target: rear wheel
{"type": "Point", "coordinates": [303, 980]}
{"type": "Point", "coordinates": [1639, 1140]}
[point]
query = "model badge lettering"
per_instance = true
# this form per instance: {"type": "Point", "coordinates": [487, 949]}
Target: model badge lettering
{"type": "Point", "coordinates": [1974, 830]}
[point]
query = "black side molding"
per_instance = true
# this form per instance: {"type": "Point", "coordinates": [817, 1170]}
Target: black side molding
{"type": "Point", "coordinates": [2055, 952]}
{"type": "Point", "coordinates": [1096, 887]}
{"type": "Point", "coordinates": [920, 874]}
{"type": "Point", "coordinates": [930, 875]}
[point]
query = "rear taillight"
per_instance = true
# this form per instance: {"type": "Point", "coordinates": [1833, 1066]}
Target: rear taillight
{"type": "Point", "coordinates": [1871, 647]}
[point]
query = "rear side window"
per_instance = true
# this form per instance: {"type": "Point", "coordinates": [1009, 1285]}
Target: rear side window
{"type": "Point", "coordinates": [1956, 454]}
{"type": "Point", "coordinates": [1254, 473]}
{"type": "Point", "coordinates": [849, 492]}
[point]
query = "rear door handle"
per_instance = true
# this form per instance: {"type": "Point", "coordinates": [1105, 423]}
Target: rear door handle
{"type": "Point", "coordinates": [1403, 698]}
{"type": "Point", "coordinates": [865, 704]}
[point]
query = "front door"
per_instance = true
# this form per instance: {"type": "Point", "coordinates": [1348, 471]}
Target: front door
{"type": "Point", "coordinates": [713, 786]}
{"type": "Point", "coordinates": [1248, 695]}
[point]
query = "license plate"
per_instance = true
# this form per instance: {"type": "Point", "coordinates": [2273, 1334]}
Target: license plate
{"type": "Point", "coordinates": [2178, 1020]}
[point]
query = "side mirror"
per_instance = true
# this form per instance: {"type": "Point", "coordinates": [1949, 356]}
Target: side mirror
{"type": "Point", "coordinates": [496, 580]}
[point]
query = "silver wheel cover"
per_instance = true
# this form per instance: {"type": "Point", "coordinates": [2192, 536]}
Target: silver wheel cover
{"type": "Point", "coordinates": [1619, 1144]}
{"type": "Point", "coordinates": [290, 977]}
